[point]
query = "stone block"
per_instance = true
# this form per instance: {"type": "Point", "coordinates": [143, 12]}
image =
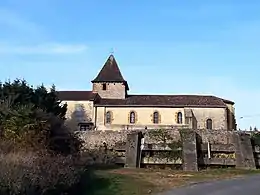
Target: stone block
{"type": "Point", "coordinates": [133, 150]}
{"type": "Point", "coordinates": [244, 151]}
{"type": "Point", "coordinates": [189, 150]}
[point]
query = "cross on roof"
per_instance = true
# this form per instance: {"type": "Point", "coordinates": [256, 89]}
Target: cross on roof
{"type": "Point", "coordinates": [111, 51]}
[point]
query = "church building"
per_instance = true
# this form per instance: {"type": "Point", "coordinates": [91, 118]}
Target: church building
{"type": "Point", "coordinates": [110, 106]}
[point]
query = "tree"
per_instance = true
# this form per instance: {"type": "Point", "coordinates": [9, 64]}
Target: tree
{"type": "Point", "coordinates": [40, 98]}
{"type": "Point", "coordinates": [34, 117]}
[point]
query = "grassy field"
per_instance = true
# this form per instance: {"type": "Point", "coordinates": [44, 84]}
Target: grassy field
{"type": "Point", "coordinates": [149, 181]}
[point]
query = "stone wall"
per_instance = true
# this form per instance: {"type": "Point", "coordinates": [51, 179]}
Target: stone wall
{"type": "Point", "coordinates": [113, 90]}
{"type": "Point", "coordinates": [215, 136]}
{"type": "Point", "coordinates": [93, 139]}
{"type": "Point", "coordinates": [229, 142]}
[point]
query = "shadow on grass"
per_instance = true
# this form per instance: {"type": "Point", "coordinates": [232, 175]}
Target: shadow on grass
{"type": "Point", "coordinates": [94, 183]}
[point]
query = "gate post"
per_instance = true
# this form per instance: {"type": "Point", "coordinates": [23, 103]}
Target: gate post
{"type": "Point", "coordinates": [133, 150]}
{"type": "Point", "coordinates": [244, 151]}
{"type": "Point", "coordinates": [189, 150]}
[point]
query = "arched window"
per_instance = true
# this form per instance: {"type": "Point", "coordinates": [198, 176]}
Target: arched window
{"type": "Point", "coordinates": [132, 117]}
{"type": "Point", "coordinates": [108, 117]}
{"type": "Point", "coordinates": [209, 123]}
{"type": "Point", "coordinates": [179, 118]}
{"type": "Point", "coordinates": [155, 117]}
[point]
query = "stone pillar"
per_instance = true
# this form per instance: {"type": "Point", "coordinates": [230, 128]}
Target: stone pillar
{"type": "Point", "coordinates": [133, 150]}
{"type": "Point", "coordinates": [244, 151]}
{"type": "Point", "coordinates": [188, 117]}
{"type": "Point", "coordinates": [189, 150]}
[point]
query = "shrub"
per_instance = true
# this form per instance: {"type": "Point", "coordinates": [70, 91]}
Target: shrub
{"type": "Point", "coordinates": [255, 137]}
{"type": "Point", "coordinates": [38, 154]}
{"type": "Point", "coordinates": [33, 173]}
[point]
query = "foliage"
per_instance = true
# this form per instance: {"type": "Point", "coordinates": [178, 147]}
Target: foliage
{"type": "Point", "coordinates": [162, 136]}
{"type": "Point", "coordinates": [32, 128]}
{"type": "Point", "coordinates": [37, 173]}
{"type": "Point", "coordinates": [255, 137]}
{"type": "Point", "coordinates": [38, 97]}
{"type": "Point", "coordinates": [223, 155]}
{"type": "Point", "coordinates": [38, 153]}
{"type": "Point", "coordinates": [34, 119]}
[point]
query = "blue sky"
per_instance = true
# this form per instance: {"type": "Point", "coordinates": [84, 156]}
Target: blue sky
{"type": "Point", "coordinates": [162, 47]}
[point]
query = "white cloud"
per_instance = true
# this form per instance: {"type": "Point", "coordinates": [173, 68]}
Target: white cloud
{"type": "Point", "coordinates": [47, 48]}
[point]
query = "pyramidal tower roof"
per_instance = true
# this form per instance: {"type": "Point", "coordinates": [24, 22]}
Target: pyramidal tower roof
{"type": "Point", "coordinates": [110, 72]}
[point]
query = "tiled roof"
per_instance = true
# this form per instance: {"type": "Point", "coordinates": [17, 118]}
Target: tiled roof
{"type": "Point", "coordinates": [228, 101]}
{"type": "Point", "coordinates": [76, 95]}
{"type": "Point", "coordinates": [110, 72]}
{"type": "Point", "coordinates": [165, 100]}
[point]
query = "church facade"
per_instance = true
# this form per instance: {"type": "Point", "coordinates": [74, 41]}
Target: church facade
{"type": "Point", "coordinates": [109, 106]}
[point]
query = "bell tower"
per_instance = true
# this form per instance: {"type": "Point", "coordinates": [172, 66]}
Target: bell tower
{"type": "Point", "coordinates": [109, 83]}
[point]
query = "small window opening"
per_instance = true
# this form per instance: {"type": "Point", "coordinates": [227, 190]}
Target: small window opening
{"type": "Point", "coordinates": [209, 124]}
{"type": "Point", "coordinates": [104, 86]}
{"type": "Point", "coordinates": [179, 118]}
{"type": "Point", "coordinates": [155, 117]}
{"type": "Point", "coordinates": [132, 117]}
{"type": "Point", "coordinates": [108, 117]}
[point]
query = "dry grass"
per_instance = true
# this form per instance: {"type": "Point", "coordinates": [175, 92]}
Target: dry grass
{"type": "Point", "coordinates": [160, 180]}
{"type": "Point", "coordinates": [30, 173]}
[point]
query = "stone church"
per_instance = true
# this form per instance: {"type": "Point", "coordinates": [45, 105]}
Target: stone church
{"type": "Point", "coordinates": [110, 106]}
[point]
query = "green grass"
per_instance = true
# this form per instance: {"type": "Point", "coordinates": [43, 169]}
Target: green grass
{"type": "Point", "coordinates": [103, 182]}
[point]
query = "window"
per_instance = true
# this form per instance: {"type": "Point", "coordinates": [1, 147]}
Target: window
{"type": "Point", "coordinates": [104, 86]}
{"type": "Point", "coordinates": [108, 117]}
{"type": "Point", "coordinates": [209, 123]}
{"type": "Point", "coordinates": [85, 126]}
{"type": "Point", "coordinates": [179, 118]}
{"type": "Point", "coordinates": [156, 117]}
{"type": "Point", "coordinates": [132, 117]}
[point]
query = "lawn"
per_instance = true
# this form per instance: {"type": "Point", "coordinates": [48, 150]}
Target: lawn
{"type": "Point", "coordinates": [149, 181]}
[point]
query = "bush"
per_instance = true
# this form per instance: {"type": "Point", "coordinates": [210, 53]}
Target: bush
{"type": "Point", "coordinates": [255, 137]}
{"type": "Point", "coordinates": [38, 154]}
{"type": "Point", "coordinates": [37, 173]}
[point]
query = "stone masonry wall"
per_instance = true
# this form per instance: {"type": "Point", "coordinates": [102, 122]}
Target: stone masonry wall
{"type": "Point", "coordinates": [94, 139]}
{"type": "Point", "coordinates": [216, 136]}
{"type": "Point", "coordinates": [114, 90]}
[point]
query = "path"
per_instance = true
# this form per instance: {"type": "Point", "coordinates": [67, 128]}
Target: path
{"type": "Point", "coordinates": [249, 185]}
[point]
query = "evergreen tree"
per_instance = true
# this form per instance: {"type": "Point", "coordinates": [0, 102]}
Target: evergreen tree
{"type": "Point", "coordinates": [39, 97]}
